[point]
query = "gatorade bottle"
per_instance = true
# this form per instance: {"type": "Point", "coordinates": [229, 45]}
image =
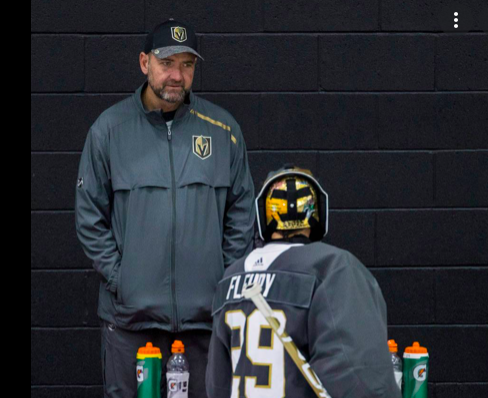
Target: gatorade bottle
{"type": "Point", "coordinates": [397, 362]}
{"type": "Point", "coordinates": [415, 371]}
{"type": "Point", "coordinates": [178, 372]}
{"type": "Point", "coordinates": [149, 364]}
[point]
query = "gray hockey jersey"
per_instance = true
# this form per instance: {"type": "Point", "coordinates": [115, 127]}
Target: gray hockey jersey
{"type": "Point", "coordinates": [331, 306]}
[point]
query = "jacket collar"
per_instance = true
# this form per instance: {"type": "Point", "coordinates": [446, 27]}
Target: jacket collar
{"type": "Point", "coordinates": [156, 116]}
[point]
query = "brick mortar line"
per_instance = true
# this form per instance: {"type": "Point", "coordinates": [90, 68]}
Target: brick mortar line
{"type": "Point", "coordinates": [310, 150]}
{"type": "Point", "coordinates": [64, 328]}
{"type": "Point", "coordinates": [338, 210]}
{"type": "Point", "coordinates": [450, 383]}
{"type": "Point", "coordinates": [430, 268]}
{"type": "Point", "coordinates": [440, 268]}
{"type": "Point", "coordinates": [444, 383]}
{"type": "Point", "coordinates": [275, 34]}
{"type": "Point", "coordinates": [439, 326]}
{"type": "Point", "coordinates": [47, 386]}
{"type": "Point", "coordinates": [63, 270]}
{"type": "Point", "coordinates": [353, 151]}
{"type": "Point", "coordinates": [322, 92]}
{"type": "Point", "coordinates": [443, 326]}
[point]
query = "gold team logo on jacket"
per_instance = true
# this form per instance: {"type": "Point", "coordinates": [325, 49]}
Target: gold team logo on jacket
{"type": "Point", "coordinates": [202, 146]}
{"type": "Point", "coordinates": [178, 33]}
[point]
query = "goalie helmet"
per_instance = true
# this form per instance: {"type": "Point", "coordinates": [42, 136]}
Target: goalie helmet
{"type": "Point", "coordinates": [292, 199]}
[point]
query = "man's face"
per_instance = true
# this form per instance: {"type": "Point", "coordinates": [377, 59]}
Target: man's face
{"type": "Point", "coordinates": [171, 78]}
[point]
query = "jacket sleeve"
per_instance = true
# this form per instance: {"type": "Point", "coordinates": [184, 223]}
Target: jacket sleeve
{"type": "Point", "coordinates": [219, 367]}
{"type": "Point", "coordinates": [348, 334]}
{"type": "Point", "coordinates": [93, 209]}
{"type": "Point", "coordinates": [240, 212]}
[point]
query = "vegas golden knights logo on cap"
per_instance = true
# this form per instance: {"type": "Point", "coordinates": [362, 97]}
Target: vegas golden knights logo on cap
{"type": "Point", "coordinates": [179, 33]}
{"type": "Point", "coordinates": [202, 146]}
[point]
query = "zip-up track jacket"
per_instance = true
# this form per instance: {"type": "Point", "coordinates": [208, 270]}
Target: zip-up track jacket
{"type": "Point", "coordinates": [162, 211]}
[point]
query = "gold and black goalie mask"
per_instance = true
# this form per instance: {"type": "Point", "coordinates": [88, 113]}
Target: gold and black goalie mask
{"type": "Point", "coordinates": [292, 199]}
{"type": "Point", "coordinates": [291, 203]}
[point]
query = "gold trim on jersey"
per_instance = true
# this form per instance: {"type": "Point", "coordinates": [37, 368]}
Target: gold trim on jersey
{"type": "Point", "coordinates": [210, 120]}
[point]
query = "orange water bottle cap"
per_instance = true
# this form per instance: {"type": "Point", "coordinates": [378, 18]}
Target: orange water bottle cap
{"type": "Point", "coordinates": [393, 346]}
{"type": "Point", "coordinates": [416, 349]}
{"type": "Point", "coordinates": [149, 349]}
{"type": "Point", "coordinates": [178, 347]}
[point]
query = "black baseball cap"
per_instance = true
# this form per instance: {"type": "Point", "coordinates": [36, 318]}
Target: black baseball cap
{"type": "Point", "coordinates": [171, 37]}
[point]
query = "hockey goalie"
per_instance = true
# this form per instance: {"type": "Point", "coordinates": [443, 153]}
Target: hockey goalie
{"type": "Point", "coordinates": [322, 297]}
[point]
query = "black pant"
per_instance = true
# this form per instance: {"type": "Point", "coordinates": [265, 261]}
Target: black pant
{"type": "Point", "coordinates": [119, 351]}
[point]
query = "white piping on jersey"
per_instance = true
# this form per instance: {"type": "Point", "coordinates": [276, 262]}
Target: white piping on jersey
{"type": "Point", "coordinates": [261, 259]}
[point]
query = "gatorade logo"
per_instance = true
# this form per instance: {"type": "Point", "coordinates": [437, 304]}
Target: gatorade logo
{"type": "Point", "coordinates": [420, 373]}
{"type": "Point", "coordinates": [140, 374]}
{"type": "Point", "coordinates": [173, 386]}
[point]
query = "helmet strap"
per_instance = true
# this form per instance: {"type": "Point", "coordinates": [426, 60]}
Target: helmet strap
{"type": "Point", "coordinates": [317, 230]}
{"type": "Point", "coordinates": [270, 230]}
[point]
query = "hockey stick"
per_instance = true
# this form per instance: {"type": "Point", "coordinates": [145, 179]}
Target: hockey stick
{"type": "Point", "coordinates": [253, 292]}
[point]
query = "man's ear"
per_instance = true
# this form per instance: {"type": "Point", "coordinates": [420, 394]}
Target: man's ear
{"type": "Point", "coordinates": [144, 62]}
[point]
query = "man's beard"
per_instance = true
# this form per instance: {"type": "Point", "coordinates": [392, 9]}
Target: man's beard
{"type": "Point", "coordinates": [172, 97]}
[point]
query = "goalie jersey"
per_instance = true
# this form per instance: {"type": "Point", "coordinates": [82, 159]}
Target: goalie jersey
{"type": "Point", "coordinates": [330, 305]}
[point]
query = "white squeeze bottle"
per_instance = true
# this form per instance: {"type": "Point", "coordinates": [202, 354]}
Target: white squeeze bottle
{"type": "Point", "coordinates": [178, 372]}
{"type": "Point", "coordinates": [397, 362]}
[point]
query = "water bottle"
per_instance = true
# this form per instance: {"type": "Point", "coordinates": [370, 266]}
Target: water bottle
{"type": "Point", "coordinates": [178, 372]}
{"type": "Point", "coordinates": [397, 362]}
{"type": "Point", "coordinates": [149, 372]}
{"type": "Point", "coordinates": [416, 371]}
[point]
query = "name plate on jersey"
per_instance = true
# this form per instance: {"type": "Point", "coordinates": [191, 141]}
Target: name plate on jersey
{"type": "Point", "coordinates": [277, 287]}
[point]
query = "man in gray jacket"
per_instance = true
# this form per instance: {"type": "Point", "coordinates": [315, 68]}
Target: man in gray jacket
{"type": "Point", "coordinates": [164, 204]}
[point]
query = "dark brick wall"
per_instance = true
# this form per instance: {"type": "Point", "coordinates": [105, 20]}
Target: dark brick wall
{"type": "Point", "coordinates": [384, 105]}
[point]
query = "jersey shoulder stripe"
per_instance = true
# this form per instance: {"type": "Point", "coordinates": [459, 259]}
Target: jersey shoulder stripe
{"type": "Point", "coordinates": [210, 120]}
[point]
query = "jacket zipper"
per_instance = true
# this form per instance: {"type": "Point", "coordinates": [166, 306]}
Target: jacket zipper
{"type": "Point", "coordinates": [173, 236]}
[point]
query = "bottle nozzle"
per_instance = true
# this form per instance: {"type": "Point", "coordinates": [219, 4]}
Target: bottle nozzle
{"type": "Point", "coordinates": [393, 346]}
{"type": "Point", "coordinates": [178, 347]}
